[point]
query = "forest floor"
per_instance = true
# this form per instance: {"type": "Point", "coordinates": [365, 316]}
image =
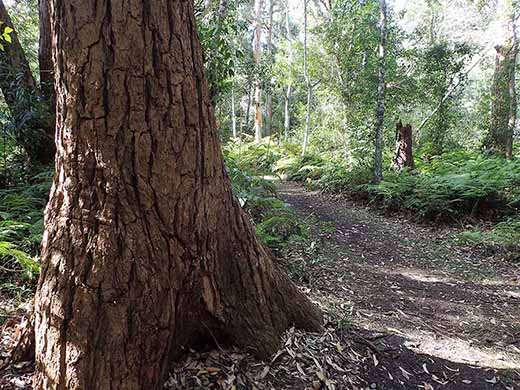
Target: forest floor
{"type": "Point", "coordinates": [405, 307]}
{"type": "Point", "coordinates": [435, 314]}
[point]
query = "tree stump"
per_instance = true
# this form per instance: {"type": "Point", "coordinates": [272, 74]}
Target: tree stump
{"type": "Point", "coordinates": [404, 147]}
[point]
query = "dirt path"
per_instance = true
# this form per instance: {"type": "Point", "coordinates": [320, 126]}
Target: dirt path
{"type": "Point", "coordinates": [434, 315]}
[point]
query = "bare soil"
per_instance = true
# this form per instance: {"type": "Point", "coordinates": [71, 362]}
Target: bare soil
{"type": "Point", "coordinates": [434, 315]}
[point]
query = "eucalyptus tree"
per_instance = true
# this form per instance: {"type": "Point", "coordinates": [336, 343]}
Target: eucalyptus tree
{"type": "Point", "coordinates": [503, 91]}
{"type": "Point", "coordinates": [257, 55]}
{"type": "Point", "coordinates": [146, 251]}
{"type": "Point", "coordinates": [307, 80]}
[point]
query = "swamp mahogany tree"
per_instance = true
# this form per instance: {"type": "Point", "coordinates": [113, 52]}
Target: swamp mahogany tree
{"type": "Point", "coordinates": [146, 251]}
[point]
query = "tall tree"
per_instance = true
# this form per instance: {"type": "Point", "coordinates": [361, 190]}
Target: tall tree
{"type": "Point", "coordinates": [45, 55]}
{"type": "Point", "coordinates": [288, 93]}
{"type": "Point", "coordinates": [381, 90]}
{"type": "Point", "coordinates": [503, 93]}
{"type": "Point", "coordinates": [257, 56]}
{"type": "Point", "coordinates": [146, 250]}
{"type": "Point", "coordinates": [269, 94]}
{"type": "Point", "coordinates": [34, 124]}
{"type": "Point", "coordinates": [307, 79]}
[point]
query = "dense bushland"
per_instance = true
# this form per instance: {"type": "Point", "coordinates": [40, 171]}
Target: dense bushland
{"type": "Point", "coordinates": [456, 187]}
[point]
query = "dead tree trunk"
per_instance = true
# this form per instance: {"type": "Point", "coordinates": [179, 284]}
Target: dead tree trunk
{"type": "Point", "coordinates": [146, 251]}
{"type": "Point", "coordinates": [404, 147]}
{"type": "Point", "coordinates": [35, 131]}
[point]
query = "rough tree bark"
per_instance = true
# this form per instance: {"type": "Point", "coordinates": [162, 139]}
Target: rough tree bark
{"type": "Point", "coordinates": [404, 147]}
{"type": "Point", "coordinates": [36, 132]}
{"type": "Point", "coordinates": [146, 252]}
{"type": "Point", "coordinates": [381, 91]}
{"type": "Point", "coordinates": [257, 57]}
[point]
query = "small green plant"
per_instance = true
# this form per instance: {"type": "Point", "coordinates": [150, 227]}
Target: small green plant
{"type": "Point", "coordinates": [5, 36]}
{"type": "Point", "coordinates": [21, 231]}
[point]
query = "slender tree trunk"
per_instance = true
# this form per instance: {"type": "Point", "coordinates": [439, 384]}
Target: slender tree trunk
{"type": "Point", "coordinates": [45, 56]}
{"type": "Point", "coordinates": [287, 111]}
{"type": "Point", "coordinates": [512, 91]}
{"type": "Point", "coordinates": [307, 82]}
{"type": "Point", "coordinates": [257, 55]}
{"type": "Point", "coordinates": [146, 251]}
{"type": "Point", "coordinates": [288, 95]}
{"type": "Point", "coordinates": [248, 107]}
{"type": "Point", "coordinates": [499, 139]}
{"type": "Point", "coordinates": [233, 114]}
{"type": "Point", "coordinates": [381, 91]}
{"type": "Point", "coordinates": [36, 134]}
{"type": "Point", "coordinates": [269, 97]}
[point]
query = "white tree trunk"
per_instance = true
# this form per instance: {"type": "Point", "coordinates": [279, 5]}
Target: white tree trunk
{"type": "Point", "coordinates": [257, 56]}
{"type": "Point", "coordinates": [307, 83]}
{"type": "Point", "coordinates": [288, 95]}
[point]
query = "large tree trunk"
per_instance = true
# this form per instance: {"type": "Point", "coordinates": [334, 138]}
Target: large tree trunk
{"type": "Point", "coordinates": [257, 57]}
{"type": "Point", "coordinates": [45, 56]}
{"type": "Point", "coordinates": [35, 132]}
{"type": "Point", "coordinates": [403, 147]}
{"type": "Point", "coordinates": [381, 90]}
{"type": "Point", "coordinates": [146, 251]}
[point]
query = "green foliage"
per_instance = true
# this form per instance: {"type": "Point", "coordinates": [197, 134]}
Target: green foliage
{"type": "Point", "coordinates": [503, 238]}
{"type": "Point", "coordinates": [5, 36]}
{"type": "Point", "coordinates": [218, 38]}
{"type": "Point", "coordinates": [281, 227]}
{"type": "Point", "coordinates": [257, 159]}
{"type": "Point", "coordinates": [276, 224]}
{"type": "Point", "coordinates": [440, 66]}
{"type": "Point", "coordinates": [453, 186]}
{"type": "Point", "coordinates": [21, 229]}
{"type": "Point", "coordinates": [447, 187]}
